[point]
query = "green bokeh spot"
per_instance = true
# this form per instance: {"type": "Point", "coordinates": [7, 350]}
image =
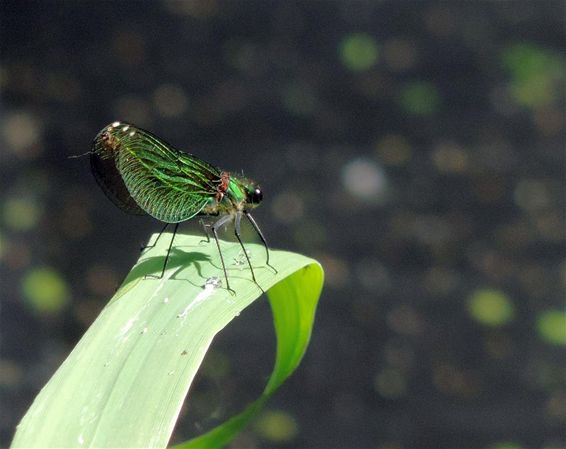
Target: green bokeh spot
{"type": "Point", "coordinates": [491, 307]}
{"type": "Point", "coordinates": [535, 74]}
{"type": "Point", "coordinates": [276, 426]}
{"type": "Point", "coordinates": [20, 214]}
{"type": "Point", "coordinates": [551, 326]}
{"type": "Point", "coordinates": [390, 383]}
{"type": "Point", "coordinates": [44, 290]}
{"type": "Point", "coordinates": [420, 98]}
{"type": "Point", "coordinates": [358, 51]}
{"type": "Point", "coordinates": [527, 61]}
{"type": "Point", "coordinates": [217, 365]}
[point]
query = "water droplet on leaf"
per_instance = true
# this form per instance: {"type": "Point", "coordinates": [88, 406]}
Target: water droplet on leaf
{"type": "Point", "coordinates": [213, 282]}
{"type": "Point", "coordinates": [241, 258]}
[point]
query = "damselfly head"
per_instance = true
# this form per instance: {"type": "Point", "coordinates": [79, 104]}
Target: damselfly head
{"type": "Point", "coordinates": [254, 195]}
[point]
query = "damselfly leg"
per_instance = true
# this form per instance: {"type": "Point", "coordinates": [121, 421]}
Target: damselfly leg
{"type": "Point", "coordinates": [262, 238]}
{"type": "Point", "coordinates": [153, 276]}
{"type": "Point", "coordinates": [143, 248]}
{"type": "Point", "coordinates": [221, 222]}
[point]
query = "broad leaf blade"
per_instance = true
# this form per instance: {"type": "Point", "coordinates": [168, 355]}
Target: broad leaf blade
{"type": "Point", "coordinates": [293, 303]}
{"type": "Point", "coordinates": [124, 383]}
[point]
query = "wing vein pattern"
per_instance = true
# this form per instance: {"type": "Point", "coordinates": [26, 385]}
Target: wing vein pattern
{"type": "Point", "coordinates": [165, 183]}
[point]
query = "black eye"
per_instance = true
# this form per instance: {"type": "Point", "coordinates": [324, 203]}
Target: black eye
{"type": "Point", "coordinates": [256, 196]}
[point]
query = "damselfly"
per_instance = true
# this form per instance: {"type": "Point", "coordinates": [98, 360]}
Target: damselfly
{"type": "Point", "coordinates": [142, 174]}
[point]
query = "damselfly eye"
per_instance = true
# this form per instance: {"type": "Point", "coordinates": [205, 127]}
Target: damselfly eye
{"type": "Point", "coordinates": [256, 195]}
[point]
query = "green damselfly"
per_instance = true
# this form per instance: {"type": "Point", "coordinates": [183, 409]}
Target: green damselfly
{"type": "Point", "coordinates": [141, 174]}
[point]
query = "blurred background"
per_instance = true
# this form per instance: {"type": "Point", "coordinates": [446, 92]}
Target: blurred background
{"type": "Point", "coordinates": [415, 148]}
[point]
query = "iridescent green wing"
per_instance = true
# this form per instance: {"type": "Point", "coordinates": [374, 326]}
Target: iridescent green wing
{"type": "Point", "coordinates": [169, 185]}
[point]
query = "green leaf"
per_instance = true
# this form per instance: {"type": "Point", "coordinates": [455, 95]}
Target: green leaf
{"type": "Point", "coordinates": [125, 382]}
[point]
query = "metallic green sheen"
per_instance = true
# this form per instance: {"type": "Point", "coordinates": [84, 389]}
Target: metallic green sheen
{"type": "Point", "coordinates": [237, 190]}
